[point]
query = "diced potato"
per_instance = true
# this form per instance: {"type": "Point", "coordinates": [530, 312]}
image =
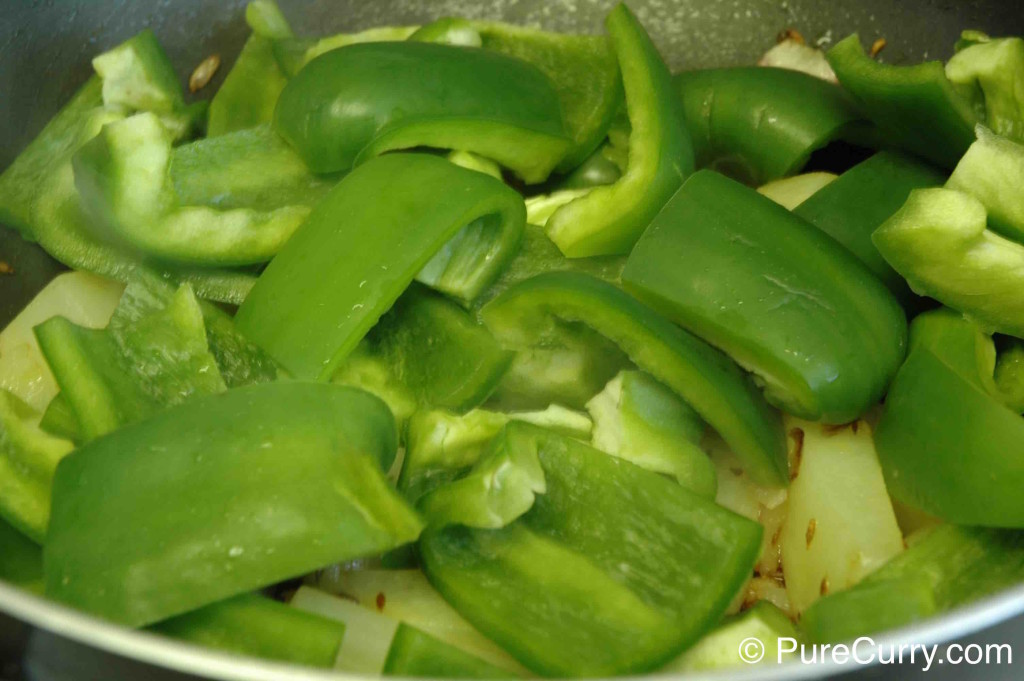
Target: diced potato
{"type": "Point", "coordinates": [841, 523]}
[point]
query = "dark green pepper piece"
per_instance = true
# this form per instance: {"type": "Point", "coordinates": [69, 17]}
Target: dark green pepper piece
{"type": "Point", "coordinates": [783, 299]}
{"type": "Point", "coordinates": [21, 560]}
{"type": "Point", "coordinates": [415, 653]}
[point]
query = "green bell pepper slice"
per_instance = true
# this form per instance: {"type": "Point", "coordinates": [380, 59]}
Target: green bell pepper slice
{"type": "Point", "coordinates": [353, 257]}
{"type": "Point", "coordinates": [59, 419]}
{"type": "Point", "coordinates": [992, 70]}
{"type": "Point", "coordinates": [415, 653]}
{"type": "Point", "coordinates": [608, 220]}
{"type": "Point", "coordinates": [639, 419]}
{"type": "Point", "coordinates": [942, 403]}
{"type": "Point", "coordinates": [28, 459]}
{"type": "Point", "coordinates": [1009, 375]}
{"type": "Point", "coordinates": [582, 68]}
{"type": "Point", "coordinates": [916, 107]}
{"type": "Point", "coordinates": [138, 365]}
{"type": "Point", "coordinates": [759, 124]}
{"type": "Point", "coordinates": [853, 206]}
{"type": "Point", "coordinates": [941, 244]}
{"type": "Point", "coordinates": [589, 587]}
{"type": "Point", "coordinates": [21, 560]}
{"type": "Point", "coordinates": [991, 171]}
{"type": "Point", "coordinates": [124, 178]}
{"type": "Point", "coordinates": [787, 302]}
{"type": "Point", "coordinates": [258, 626]}
{"type": "Point", "coordinates": [336, 114]}
{"type": "Point", "coordinates": [707, 380]}
{"type": "Point", "coordinates": [947, 567]}
{"type": "Point", "coordinates": [298, 467]}
{"type": "Point", "coordinates": [439, 351]}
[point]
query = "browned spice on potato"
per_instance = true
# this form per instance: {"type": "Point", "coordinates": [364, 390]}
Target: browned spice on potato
{"type": "Point", "coordinates": [812, 526]}
{"type": "Point", "coordinates": [790, 34]}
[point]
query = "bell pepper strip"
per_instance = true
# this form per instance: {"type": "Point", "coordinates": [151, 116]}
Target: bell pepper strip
{"type": "Point", "coordinates": [790, 192]}
{"type": "Point", "coordinates": [820, 333]}
{"type": "Point", "coordinates": [21, 560]}
{"type": "Point", "coordinates": [946, 567]}
{"type": "Point", "coordinates": [442, 447]}
{"type": "Point", "coordinates": [599, 169]}
{"type": "Point", "coordinates": [995, 69]}
{"type": "Point", "coordinates": [850, 209]}
{"type": "Point", "coordinates": [59, 419]}
{"type": "Point", "coordinates": [934, 412]}
{"type": "Point", "coordinates": [706, 379]}
{"type": "Point", "coordinates": [415, 653]}
{"type": "Point", "coordinates": [610, 219]}
{"type": "Point", "coordinates": [760, 124]}
{"type": "Point", "coordinates": [959, 343]}
{"type": "Point", "coordinates": [471, 161]}
{"type": "Point", "coordinates": [941, 244]}
{"type": "Point", "coordinates": [720, 648]}
{"type": "Point", "coordinates": [293, 55]}
{"type": "Point", "coordinates": [334, 279]}
{"type": "Point", "coordinates": [437, 349]}
{"type": "Point", "coordinates": [132, 368]}
{"type": "Point", "coordinates": [261, 627]}
{"type": "Point", "coordinates": [409, 598]}
{"type": "Point", "coordinates": [123, 177]}
{"type": "Point", "coordinates": [638, 419]}
{"type": "Point", "coordinates": [583, 69]}
{"type": "Point", "coordinates": [436, 96]}
{"type": "Point", "coordinates": [916, 107]}
{"type": "Point", "coordinates": [366, 369]}
{"type": "Point", "coordinates": [249, 92]}
{"type": "Point", "coordinates": [840, 524]}
{"type": "Point", "coordinates": [83, 298]}
{"type": "Point", "coordinates": [991, 171]}
{"type": "Point", "coordinates": [1009, 375]}
{"type": "Point", "coordinates": [28, 459]}
{"type": "Point", "coordinates": [588, 589]}
{"type": "Point", "coordinates": [299, 467]}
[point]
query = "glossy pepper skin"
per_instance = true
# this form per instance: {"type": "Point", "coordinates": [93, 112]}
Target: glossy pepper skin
{"type": "Point", "coordinates": [297, 467]}
{"type": "Point", "coordinates": [853, 206]}
{"type": "Point", "coordinates": [707, 380]}
{"type": "Point", "coordinates": [614, 569]}
{"type": "Point", "coordinates": [608, 220]}
{"type": "Point", "coordinates": [359, 101]}
{"type": "Point", "coordinates": [822, 335]}
{"type": "Point", "coordinates": [760, 124]}
{"type": "Point", "coordinates": [355, 255]}
{"type": "Point", "coordinates": [916, 107]}
{"type": "Point", "coordinates": [943, 403]}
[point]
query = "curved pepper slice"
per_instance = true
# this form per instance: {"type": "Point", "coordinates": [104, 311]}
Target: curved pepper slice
{"type": "Point", "coordinates": [123, 176]}
{"type": "Point", "coordinates": [21, 560]}
{"type": "Point", "coordinates": [852, 207]}
{"type": "Point", "coordinates": [917, 107]}
{"type": "Point", "coordinates": [256, 485]}
{"type": "Point", "coordinates": [613, 570]}
{"type": "Point", "coordinates": [608, 220]}
{"type": "Point", "coordinates": [758, 123]}
{"type": "Point", "coordinates": [784, 300]}
{"type": "Point", "coordinates": [354, 103]}
{"type": "Point", "coordinates": [706, 379]}
{"type": "Point", "coordinates": [940, 242]}
{"type": "Point", "coordinates": [940, 408]}
{"type": "Point", "coordinates": [362, 246]}
{"type": "Point", "coordinates": [992, 171]}
{"type": "Point", "coordinates": [992, 70]}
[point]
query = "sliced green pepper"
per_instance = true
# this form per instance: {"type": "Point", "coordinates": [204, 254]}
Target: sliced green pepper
{"type": "Point", "coordinates": [640, 420]}
{"type": "Point", "coordinates": [336, 113]}
{"type": "Point", "coordinates": [759, 124]}
{"type": "Point", "coordinates": [940, 242]}
{"type": "Point", "coordinates": [992, 170]}
{"type": "Point", "coordinates": [610, 219]}
{"type": "Point", "coordinates": [28, 459]}
{"type": "Point", "coordinates": [293, 55]}
{"type": "Point", "coordinates": [993, 69]}
{"type": "Point", "coordinates": [414, 653]}
{"type": "Point", "coordinates": [852, 207]}
{"type": "Point", "coordinates": [59, 419]}
{"type": "Point", "coordinates": [123, 176]}
{"type": "Point", "coordinates": [137, 366]}
{"type": "Point", "coordinates": [947, 567]}
{"type": "Point", "coordinates": [917, 107]}
{"type": "Point", "coordinates": [261, 627]}
{"type": "Point", "coordinates": [21, 560]}
{"type": "Point", "coordinates": [1009, 375]}
{"type": "Point", "coordinates": [940, 406]}
{"type": "Point", "coordinates": [353, 257]}
{"type": "Point", "coordinates": [786, 301]}
{"type": "Point", "coordinates": [707, 380]}
{"type": "Point", "coordinates": [613, 570]}
{"type": "Point", "coordinates": [300, 470]}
